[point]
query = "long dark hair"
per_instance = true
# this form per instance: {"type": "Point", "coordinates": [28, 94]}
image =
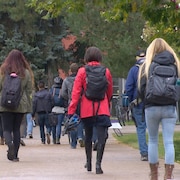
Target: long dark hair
{"type": "Point", "coordinates": [15, 62]}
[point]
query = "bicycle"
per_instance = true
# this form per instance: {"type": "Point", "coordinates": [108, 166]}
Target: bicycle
{"type": "Point", "coordinates": [121, 112]}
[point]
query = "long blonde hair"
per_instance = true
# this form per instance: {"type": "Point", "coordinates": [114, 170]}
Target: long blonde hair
{"type": "Point", "coordinates": [157, 46]}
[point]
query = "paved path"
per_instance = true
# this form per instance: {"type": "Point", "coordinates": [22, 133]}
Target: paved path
{"type": "Point", "coordinates": [54, 162]}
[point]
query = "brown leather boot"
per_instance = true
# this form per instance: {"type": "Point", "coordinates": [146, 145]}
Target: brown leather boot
{"type": "Point", "coordinates": [154, 171]}
{"type": "Point", "coordinates": [168, 171]}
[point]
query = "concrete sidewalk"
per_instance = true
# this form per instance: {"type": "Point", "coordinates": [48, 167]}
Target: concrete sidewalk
{"type": "Point", "coordinates": [54, 162]}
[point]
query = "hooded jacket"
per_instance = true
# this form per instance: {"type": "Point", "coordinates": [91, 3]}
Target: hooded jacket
{"type": "Point", "coordinates": [163, 58]}
{"type": "Point", "coordinates": [42, 102]}
{"type": "Point", "coordinates": [67, 87]}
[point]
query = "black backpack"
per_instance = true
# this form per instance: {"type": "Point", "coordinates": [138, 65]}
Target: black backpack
{"type": "Point", "coordinates": [96, 82]}
{"type": "Point", "coordinates": [161, 85]}
{"type": "Point", "coordinates": [11, 92]}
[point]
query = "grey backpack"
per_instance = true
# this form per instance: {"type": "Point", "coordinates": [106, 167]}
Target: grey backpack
{"type": "Point", "coordinates": [161, 85]}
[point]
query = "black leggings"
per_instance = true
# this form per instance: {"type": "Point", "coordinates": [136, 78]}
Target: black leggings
{"type": "Point", "coordinates": [102, 134]}
{"type": "Point", "coordinates": [1, 128]}
{"type": "Point", "coordinates": [11, 129]}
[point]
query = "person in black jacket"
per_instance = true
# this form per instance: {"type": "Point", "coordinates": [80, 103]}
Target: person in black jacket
{"type": "Point", "coordinates": [42, 105]}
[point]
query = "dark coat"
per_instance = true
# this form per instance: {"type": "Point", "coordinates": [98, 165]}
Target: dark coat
{"type": "Point", "coordinates": [42, 102]}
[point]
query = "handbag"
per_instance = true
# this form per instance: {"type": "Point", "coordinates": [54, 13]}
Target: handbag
{"type": "Point", "coordinates": [53, 119]}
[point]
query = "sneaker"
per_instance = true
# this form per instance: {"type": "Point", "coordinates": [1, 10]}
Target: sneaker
{"type": "Point", "coordinates": [30, 136]}
{"type": "Point", "coordinates": [144, 157]}
{"type": "Point", "coordinates": [48, 138]}
{"type": "Point", "coordinates": [58, 141]}
{"type": "Point", "coordinates": [54, 141]}
{"type": "Point", "coordinates": [22, 143]}
{"type": "Point", "coordinates": [73, 147]}
{"type": "Point", "coordinates": [81, 142]}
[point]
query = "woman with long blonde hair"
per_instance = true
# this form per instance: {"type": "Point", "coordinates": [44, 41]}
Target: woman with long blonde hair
{"type": "Point", "coordinates": [160, 52]}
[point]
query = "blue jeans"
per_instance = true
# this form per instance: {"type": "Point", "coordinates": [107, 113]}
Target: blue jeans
{"type": "Point", "coordinates": [53, 130]}
{"type": "Point", "coordinates": [29, 124]}
{"type": "Point", "coordinates": [43, 122]}
{"type": "Point", "coordinates": [167, 116]}
{"type": "Point", "coordinates": [73, 135]}
{"type": "Point", "coordinates": [141, 130]}
{"type": "Point", "coordinates": [59, 125]}
{"type": "Point", "coordinates": [80, 131]}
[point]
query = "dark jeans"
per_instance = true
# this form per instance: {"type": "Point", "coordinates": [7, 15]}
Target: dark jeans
{"type": "Point", "coordinates": [1, 128]}
{"type": "Point", "coordinates": [43, 122]}
{"type": "Point", "coordinates": [11, 125]}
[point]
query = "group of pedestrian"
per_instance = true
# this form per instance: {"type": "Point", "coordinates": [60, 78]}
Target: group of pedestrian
{"type": "Point", "coordinates": [73, 97]}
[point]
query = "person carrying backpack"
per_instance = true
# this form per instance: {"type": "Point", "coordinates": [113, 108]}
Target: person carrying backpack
{"type": "Point", "coordinates": [137, 111]}
{"type": "Point", "coordinates": [77, 133]}
{"type": "Point", "coordinates": [157, 73]}
{"type": "Point", "coordinates": [42, 105]}
{"type": "Point", "coordinates": [93, 84]}
{"type": "Point", "coordinates": [59, 108]}
{"type": "Point", "coordinates": [15, 101]}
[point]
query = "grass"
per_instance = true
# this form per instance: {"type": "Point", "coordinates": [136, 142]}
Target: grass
{"type": "Point", "coordinates": [131, 140]}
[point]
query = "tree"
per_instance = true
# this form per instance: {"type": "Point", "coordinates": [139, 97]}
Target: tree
{"type": "Point", "coordinates": [118, 40]}
{"type": "Point", "coordinates": [39, 39]}
{"type": "Point", "coordinates": [163, 15]}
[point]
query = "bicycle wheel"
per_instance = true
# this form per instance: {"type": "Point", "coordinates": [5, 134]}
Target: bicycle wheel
{"type": "Point", "coordinates": [119, 114]}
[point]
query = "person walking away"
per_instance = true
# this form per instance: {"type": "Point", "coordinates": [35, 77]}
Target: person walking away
{"type": "Point", "coordinates": [42, 105]}
{"type": "Point", "coordinates": [162, 65]}
{"type": "Point", "coordinates": [15, 66]}
{"type": "Point", "coordinates": [93, 113]}
{"type": "Point", "coordinates": [30, 124]}
{"type": "Point", "coordinates": [66, 94]}
{"type": "Point", "coordinates": [58, 108]}
{"type": "Point", "coordinates": [138, 108]}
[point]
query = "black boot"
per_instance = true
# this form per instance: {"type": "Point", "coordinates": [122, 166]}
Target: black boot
{"type": "Point", "coordinates": [88, 149]}
{"type": "Point", "coordinates": [100, 151]}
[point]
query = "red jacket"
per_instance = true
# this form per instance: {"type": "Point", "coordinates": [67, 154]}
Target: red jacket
{"type": "Point", "coordinates": [86, 107]}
